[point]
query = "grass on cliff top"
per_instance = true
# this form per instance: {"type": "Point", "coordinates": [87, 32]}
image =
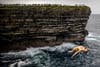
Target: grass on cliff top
{"type": "Point", "coordinates": [43, 7]}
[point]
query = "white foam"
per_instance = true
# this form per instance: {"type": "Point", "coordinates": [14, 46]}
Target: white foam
{"type": "Point", "coordinates": [13, 64]}
{"type": "Point", "coordinates": [32, 51]}
{"type": "Point", "coordinates": [93, 37]}
{"type": "Point", "coordinates": [20, 63]}
{"type": "Point", "coordinates": [63, 47]}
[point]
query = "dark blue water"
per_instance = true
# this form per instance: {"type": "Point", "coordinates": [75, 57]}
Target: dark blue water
{"type": "Point", "coordinates": [58, 56]}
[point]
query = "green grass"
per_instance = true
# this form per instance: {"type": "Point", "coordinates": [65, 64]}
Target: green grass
{"type": "Point", "coordinates": [43, 7]}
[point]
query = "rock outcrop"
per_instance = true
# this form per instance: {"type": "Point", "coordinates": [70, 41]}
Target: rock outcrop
{"type": "Point", "coordinates": [23, 26]}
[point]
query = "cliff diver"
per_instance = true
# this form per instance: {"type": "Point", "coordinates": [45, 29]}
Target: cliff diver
{"type": "Point", "coordinates": [78, 49]}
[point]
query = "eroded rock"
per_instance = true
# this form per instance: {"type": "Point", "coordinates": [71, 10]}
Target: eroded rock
{"type": "Point", "coordinates": [23, 26]}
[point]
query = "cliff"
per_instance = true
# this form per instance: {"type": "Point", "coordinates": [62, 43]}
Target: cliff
{"type": "Point", "coordinates": [23, 26]}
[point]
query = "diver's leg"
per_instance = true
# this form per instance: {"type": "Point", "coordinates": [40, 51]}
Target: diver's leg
{"type": "Point", "coordinates": [75, 54]}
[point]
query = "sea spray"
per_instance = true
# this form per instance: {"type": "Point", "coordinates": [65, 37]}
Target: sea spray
{"type": "Point", "coordinates": [93, 37]}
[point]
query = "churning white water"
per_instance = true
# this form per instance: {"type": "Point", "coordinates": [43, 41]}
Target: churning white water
{"type": "Point", "coordinates": [41, 57]}
{"type": "Point", "coordinates": [93, 36]}
{"type": "Point", "coordinates": [56, 56]}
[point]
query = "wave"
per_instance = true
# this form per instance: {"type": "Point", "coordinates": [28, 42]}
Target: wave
{"type": "Point", "coordinates": [36, 56]}
{"type": "Point", "coordinates": [56, 56]}
{"type": "Point", "coordinates": [30, 51]}
{"type": "Point", "coordinates": [93, 37]}
{"type": "Point", "coordinates": [44, 57]}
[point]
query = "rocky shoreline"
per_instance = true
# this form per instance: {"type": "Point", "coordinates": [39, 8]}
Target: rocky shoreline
{"type": "Point", "coordinates": [23, 26]}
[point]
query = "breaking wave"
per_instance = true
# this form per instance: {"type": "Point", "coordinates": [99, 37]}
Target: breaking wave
{"type": "Point", "coordinates": [93, 37]}
{"type": "Point", "coordinates": [57, 56]}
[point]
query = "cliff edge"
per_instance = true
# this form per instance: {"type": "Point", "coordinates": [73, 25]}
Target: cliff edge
{"type": "Point", "coordinates": [23, 26]}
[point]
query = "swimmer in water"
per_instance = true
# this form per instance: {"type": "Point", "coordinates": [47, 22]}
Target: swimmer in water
{"type": "Point", "coordinates": [78, 49]}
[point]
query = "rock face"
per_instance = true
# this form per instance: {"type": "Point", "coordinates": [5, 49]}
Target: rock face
{"type": "Point", "coordinates": [24, 26]}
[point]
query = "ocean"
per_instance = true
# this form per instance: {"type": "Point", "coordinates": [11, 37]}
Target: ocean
{"type": "Point", "coordinates": [58, 56]}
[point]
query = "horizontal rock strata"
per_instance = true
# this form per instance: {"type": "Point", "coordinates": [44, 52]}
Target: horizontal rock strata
{"type": "Point", "coordinates": [23, 26]}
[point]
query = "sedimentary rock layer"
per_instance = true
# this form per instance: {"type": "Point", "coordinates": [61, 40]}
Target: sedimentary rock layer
{"type": "Point", "coordinates": [23, 26]}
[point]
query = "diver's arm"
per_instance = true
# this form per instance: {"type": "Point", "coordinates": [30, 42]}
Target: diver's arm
{"type": "Point", "coordinates": [75, 54]}
{"type": "Point", "coordinates": [73, 50]}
